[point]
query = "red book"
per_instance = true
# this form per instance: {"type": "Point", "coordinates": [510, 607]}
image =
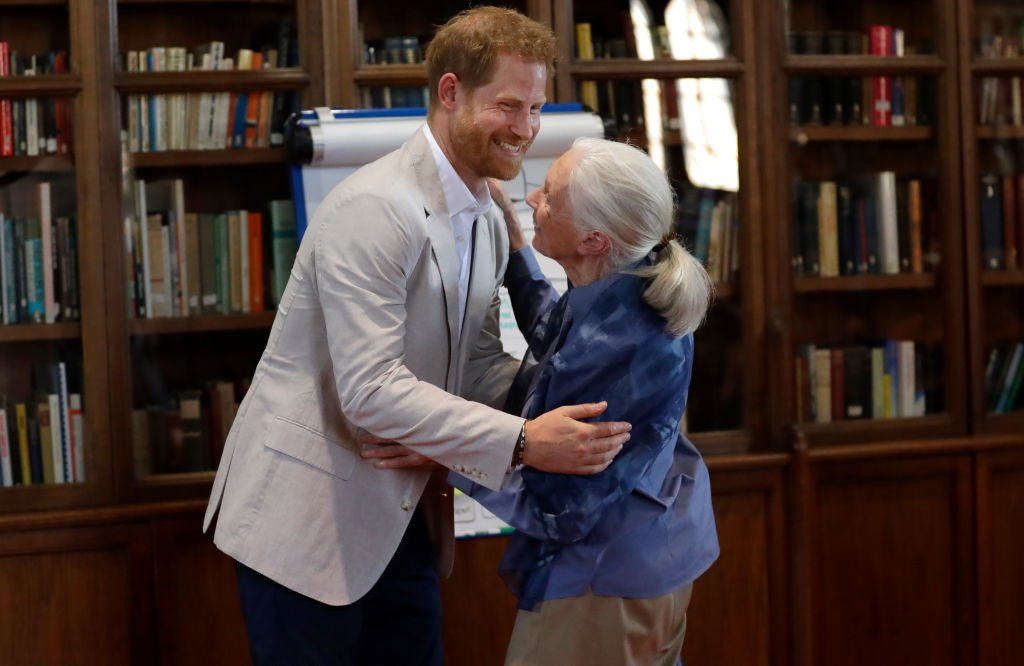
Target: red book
{"type": "Point", "coordinates": [255, 262]}
{"type": "Point", "coordinates": [6, 126]}
{"type": "Point", "coordinates": [881, 86]}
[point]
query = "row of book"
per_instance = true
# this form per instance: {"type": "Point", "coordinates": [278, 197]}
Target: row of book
{"type": "Point", "coordinates": [183, 263]}
{"type": "Point", "coordinates": [709, 220]}
{"type": "Point", "coordinates": [393, 50]}
{"type": "Point", "coordinates": [1000, 101]}
{"type": "Point", "coordinates": [38, 258]}
{"type": "Point", "coordinates": [1004, 373]}
{"type": "Point", "coordinates": [1000, 36]}
{"type": "Point", "coordinates": [880, 101]}
{"type": "Point", "coordinates": [849, 101]}
{"type": "Point", "coordinates": [652, 41]}
{"type": "Point", "coordinates": [394, 97]}
{"type": "Point", "coordinates": [187, 433]}
{"type": "Point", "coordinates": [208, 120]}
{"type": "Point", "coordinates": [1002, 221]}
{"type": "Point", "coordinates": [33, 126]}
{"type": "Point", "coordinates": [891, 379]}
{"type": "Point", "coordinates": [42, 440]}
{"type": "Point", "coordinates": [873, 224]}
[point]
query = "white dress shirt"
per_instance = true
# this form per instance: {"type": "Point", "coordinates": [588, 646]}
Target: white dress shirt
{"type": "Point", "coordinates": [464, 208]}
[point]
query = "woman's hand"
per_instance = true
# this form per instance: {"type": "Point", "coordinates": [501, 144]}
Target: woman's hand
{"type": "Point", "coordinates": [501, 198]}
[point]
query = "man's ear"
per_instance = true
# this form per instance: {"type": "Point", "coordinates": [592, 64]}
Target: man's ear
{"type": "Point", "coordinates": [595, 244]}
{"type": "Point", "coordinates": [447, 89]}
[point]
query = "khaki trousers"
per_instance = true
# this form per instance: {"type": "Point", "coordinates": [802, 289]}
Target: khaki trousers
{"type": "Point", "coordinates": [592, 631]}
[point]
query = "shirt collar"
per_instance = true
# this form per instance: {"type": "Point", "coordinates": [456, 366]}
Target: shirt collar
{"type": "Point", "coordinates": [581, 299]}
{"type": "Point", "coordinates": [456, 195]}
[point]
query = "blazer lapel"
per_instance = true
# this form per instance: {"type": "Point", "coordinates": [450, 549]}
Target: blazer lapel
{"type": "Point", "coordinates": [439, 230]}
{"type": "Point", "coordinates": [481, 277]}
{"type": "Point", "coordinates": [442, 243]}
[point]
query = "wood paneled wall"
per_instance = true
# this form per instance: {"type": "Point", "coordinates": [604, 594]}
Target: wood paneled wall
{"type": "Point", "coordinates": [913, 559]}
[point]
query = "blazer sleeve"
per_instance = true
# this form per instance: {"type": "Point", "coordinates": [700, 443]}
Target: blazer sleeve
{"type": "Point", "coordinates": [644, 376]}
{"type": "Point", "coordinates": [363, 258]}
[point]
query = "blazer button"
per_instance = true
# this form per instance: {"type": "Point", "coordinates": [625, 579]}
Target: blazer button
{"type": "Point", "coordinates": [406, 505]}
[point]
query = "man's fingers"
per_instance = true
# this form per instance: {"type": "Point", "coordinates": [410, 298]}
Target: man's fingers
{"type": "Point", "coordinates": [609, 429]}
{"type": "Point", "coordinates": [371, 450]}
{"type": "Point", "coordinates": [584, 411]}
{"type": "Point", "coordinates": [404, 461]}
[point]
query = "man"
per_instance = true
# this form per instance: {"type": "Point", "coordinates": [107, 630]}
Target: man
{"type": "Point", "coordinates": [390, 313]}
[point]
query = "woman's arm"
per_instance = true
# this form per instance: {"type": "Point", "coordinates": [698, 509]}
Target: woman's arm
{"type": "Point", "coordinates": [529, 289]}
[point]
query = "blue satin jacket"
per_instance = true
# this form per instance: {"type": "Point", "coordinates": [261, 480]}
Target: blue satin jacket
{"type": "Point", "coordinates": [644, 526]}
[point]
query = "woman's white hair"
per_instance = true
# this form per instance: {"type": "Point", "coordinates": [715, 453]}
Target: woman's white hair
{"type": "Point", "coordinates": [618, 190]}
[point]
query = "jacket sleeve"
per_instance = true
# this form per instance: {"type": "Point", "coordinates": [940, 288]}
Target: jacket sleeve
{"type": "Point", "coordinates": [644, 378]}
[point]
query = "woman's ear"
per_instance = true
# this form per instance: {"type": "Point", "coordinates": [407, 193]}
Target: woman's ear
{"type": "Point", "coordinates": [595, 244]}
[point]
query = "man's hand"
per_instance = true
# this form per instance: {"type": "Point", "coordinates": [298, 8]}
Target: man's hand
{"type": "Point", "coordinates": [558, 442]}
{"type": "Point", "coordinates": [389, 455]}
{"type": "Point", "coordinates": [516, 239]}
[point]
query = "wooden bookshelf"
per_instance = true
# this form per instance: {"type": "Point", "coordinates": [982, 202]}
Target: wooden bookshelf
{"type": "Point", "coordinates": [202, 81]}
{"type": "Point", "coordinates": [183, 158]}
{"type": "Point", "coordinates": [859, 283]}
{"type": "Point", "coordinates": [994, 297]}
{"type": "Point", "coordinates": [806, 133]}
{"type": "Point", "coordinates": [34, 332]}
{"type": "Point", "coordinates": [912, 522]}
{"type": "Point", "coordinates": [204, 324]}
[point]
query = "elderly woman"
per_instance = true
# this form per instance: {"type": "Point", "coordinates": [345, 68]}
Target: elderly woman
{"type": "Point", "coordinates": [604, 565]}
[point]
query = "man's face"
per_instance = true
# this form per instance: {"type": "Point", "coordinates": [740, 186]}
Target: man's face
{"type": "Point", "coordinates": [555, 233]}
{"type": "Point", "coordinates": [496, 123]}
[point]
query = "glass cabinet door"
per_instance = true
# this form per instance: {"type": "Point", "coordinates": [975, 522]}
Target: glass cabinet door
{"type": "Point", "coordinates": [208, 225]}
{"type": "Point", "coordinates": [670, 78]}
{"type": "Point", "coordinates": [994, 190]}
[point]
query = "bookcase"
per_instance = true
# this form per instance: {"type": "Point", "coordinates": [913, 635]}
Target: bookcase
{"type": "Point", "coordinates": [991, 66]}
{"type": "Point", "coordinates": [204, 191]}
{"type": "Point", "coordinates": [681, 85]}
{"type": "Point", "coordinates": [865, 249]}
{"type": "Point", "coordinates": [53, 305]}
{"type": "Point", "coordinates": [850, 174]}
{"type": "Point", "coordinates": [78, 328]}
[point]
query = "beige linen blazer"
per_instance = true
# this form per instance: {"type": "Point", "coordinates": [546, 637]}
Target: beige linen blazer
{"type": "Point", "coordinates": [366, 341]}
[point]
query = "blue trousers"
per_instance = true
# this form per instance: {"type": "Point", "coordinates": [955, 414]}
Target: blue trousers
{"type": "Point", "coordinates": [398, 622]}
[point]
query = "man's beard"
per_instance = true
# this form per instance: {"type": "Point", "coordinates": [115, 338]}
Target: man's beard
{"type": "Point", "coordinates": [475, 148]}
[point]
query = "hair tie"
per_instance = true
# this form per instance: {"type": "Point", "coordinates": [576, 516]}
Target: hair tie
{"type": "Point", "coordinates": [665, 240]}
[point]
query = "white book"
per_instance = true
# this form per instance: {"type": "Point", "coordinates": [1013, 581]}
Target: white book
{"type": "Point", "coordinates": [6, 476]}
{"type": "Point", "coordinates": [888, 234]}
{"type": "Point", "coordinates": [222, 107]}
{"type": "Point", "coordinates": [907, 382]}
{"type": "Point", "coordinates": [50, 305]}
